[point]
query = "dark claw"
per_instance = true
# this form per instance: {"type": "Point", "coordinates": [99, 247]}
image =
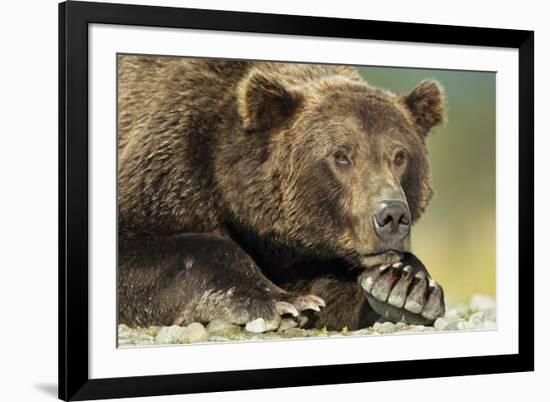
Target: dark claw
{"type": "Point", "coordinates": [435, 307]}
{"type": "Point", "coordinates": [398, 294]}
{"type": "Point", "coordinates": [417, 298]}
{"type": "Point", "coordinates": [371, 276]}
{"type": "Point", "coordinates": [382, 287]}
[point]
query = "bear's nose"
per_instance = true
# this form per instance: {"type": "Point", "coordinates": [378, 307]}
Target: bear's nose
{"type": "Point", "coordinates": [392, 220]}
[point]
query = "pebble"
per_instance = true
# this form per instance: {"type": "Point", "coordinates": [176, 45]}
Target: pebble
{"type": "Point", "coordinates": [479, 314]}
{"type": "Point", "coordinates": [384, 328]}
{"type": "Point", "coordinates": [440, 324]}
{"type": "Point", "coordinates": [171, 334]}
{"type": "Point", "coordinates": [476, 319]}
{"type": "Point", "coordinates": [400, 325]}
{"type": "Point", "coordinates": [463, 325]}
{"type": "Point", "coordinates": [259, 325]}
{"type": "Point", "coordinates": [446, 323]}
{"type": "Point", "coordinates": [195, 332]}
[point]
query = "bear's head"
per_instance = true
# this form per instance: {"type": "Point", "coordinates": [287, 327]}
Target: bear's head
{"type": "Point", "coordinates": [343, 166]}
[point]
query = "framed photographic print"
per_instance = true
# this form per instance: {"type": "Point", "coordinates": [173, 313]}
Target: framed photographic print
{"type": "Point", "coordinates": [257, 201]}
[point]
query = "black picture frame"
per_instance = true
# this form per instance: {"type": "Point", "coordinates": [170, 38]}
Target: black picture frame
{"type": "Point", "coordinates": [74, 18]}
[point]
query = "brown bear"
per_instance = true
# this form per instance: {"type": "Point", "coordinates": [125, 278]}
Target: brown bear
{"type": "Point", "coordinates": [276, 191]}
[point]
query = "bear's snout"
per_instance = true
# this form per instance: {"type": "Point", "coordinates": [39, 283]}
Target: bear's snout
{"type": "Point", "coordinates": [392, 221]}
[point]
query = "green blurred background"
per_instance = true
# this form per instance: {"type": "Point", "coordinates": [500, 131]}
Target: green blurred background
{"type": "Point", "coordinates": [456, 237]}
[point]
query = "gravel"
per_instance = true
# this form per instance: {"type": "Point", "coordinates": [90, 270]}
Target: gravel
{"type": "Point", "coordinates": [479, 314]}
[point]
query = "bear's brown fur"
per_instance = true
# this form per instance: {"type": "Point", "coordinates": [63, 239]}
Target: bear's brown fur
{"type": "Point", "coordinates": [281, 168]}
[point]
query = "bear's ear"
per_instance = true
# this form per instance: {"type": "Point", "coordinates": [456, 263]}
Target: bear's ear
{"type": "Point", "coordinates": [426, 103]}
{"type": "Point", "coordinates": [264, 103]}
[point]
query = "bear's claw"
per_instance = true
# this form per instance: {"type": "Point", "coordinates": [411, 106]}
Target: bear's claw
{"type": "Point", "coordinates": [435, 306]}
{"type": "Point", "coordinates": [398, 294]}
{"type": "Point", "coordinates": [309, 302]}
{"type": "Point", "coordinates": [287, 323]}
{"type": "Point", "coordinates": [286, 308]}
{"type": "Point", "coordinates": [288, 313]}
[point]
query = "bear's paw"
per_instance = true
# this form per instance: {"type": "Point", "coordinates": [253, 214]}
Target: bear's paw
{"type": "Point", "coordinates": [404, 292]}
{"type": "Point", "coordinates": [287, 313]}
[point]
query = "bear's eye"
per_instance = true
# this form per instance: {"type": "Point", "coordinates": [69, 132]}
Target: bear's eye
{"type": "Point", "coordinates": [399, 158]}
{"type": "Point", "coordinates": [341, 159]}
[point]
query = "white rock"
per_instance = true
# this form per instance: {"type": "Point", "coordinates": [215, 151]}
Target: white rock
{"type": "Point", "coordinates": [195, 332]}
{"type": "Point", "coordinates": [400, 326]}
{"type": "Point", "coordinates": [384, 328]}
{"type": "Point", "coordinates": [446, 324]}
{"type": "Point", "coordinates": [259, 325]}
{"type": "Point", "coordinates": [480, 314]}
{"type": "Point", "coordinates": [465, 325]}
{"type": "Point", "coordinates": [451, 315]}
{"type": "Point", "coordinates": [477, 319]}
{"type": "Point", "coordinates": [440, 324]}
{"type": "Point", "coordinates": [172, 334]}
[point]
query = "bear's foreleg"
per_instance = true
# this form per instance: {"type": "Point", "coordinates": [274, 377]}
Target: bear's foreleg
{"type": "Point", "coordinates": [200, 277]}
{"type": "Point", "coordinates": [403, 291]}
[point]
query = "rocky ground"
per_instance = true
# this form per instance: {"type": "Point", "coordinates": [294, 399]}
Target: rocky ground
{"type": "Point", "coordinates": [479, 314]}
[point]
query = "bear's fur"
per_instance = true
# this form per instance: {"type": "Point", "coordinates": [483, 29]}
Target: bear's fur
{"type": "Point", "coordinates": [247, 188]}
